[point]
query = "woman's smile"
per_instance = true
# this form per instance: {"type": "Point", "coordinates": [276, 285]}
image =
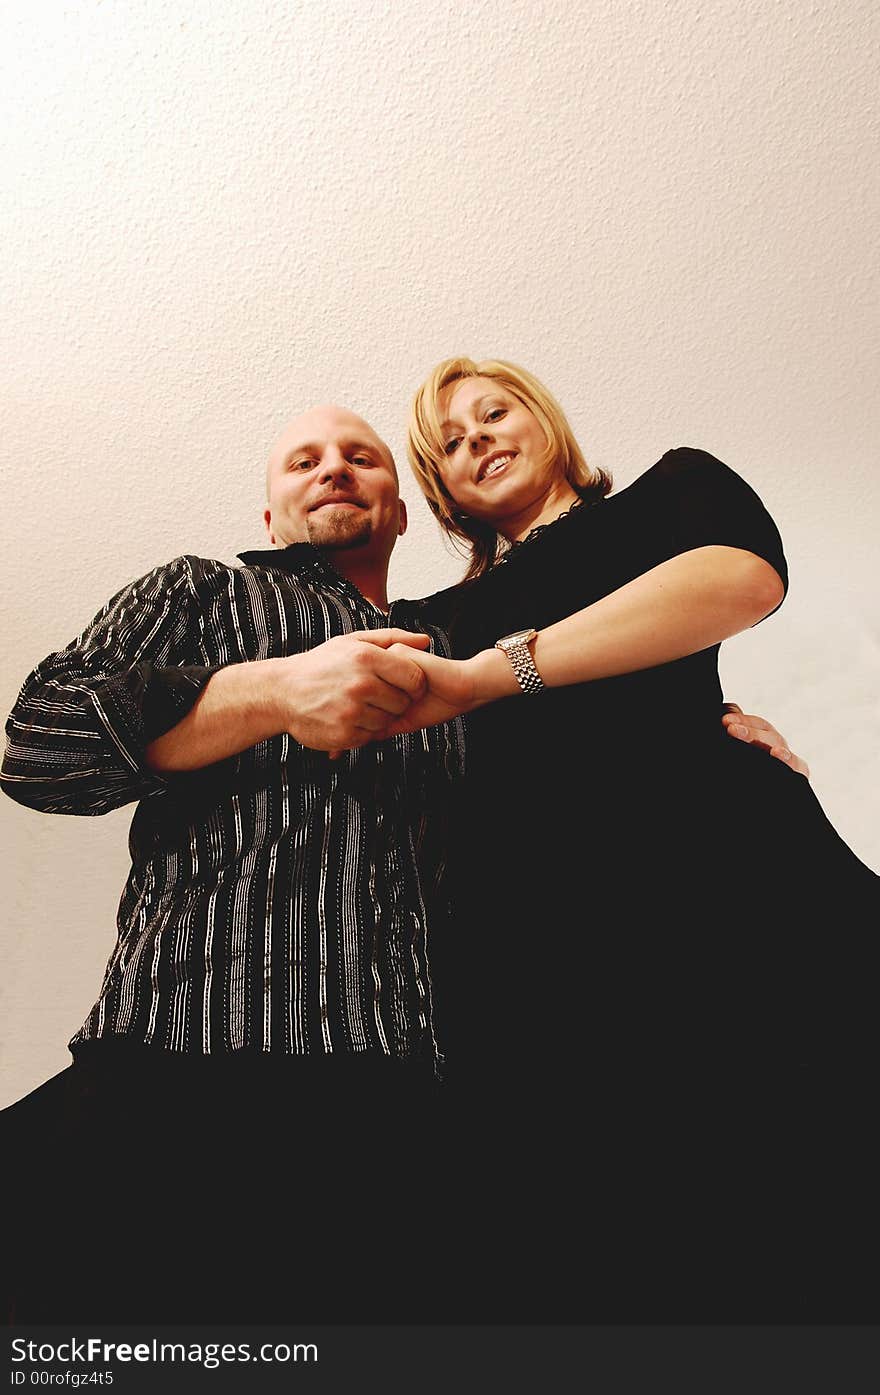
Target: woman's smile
{"type": "Point", "coordinates": [494, 464]}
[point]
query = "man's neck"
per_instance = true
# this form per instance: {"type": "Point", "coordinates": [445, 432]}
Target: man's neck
{"type": "Point", "coordinates": [371, 580]}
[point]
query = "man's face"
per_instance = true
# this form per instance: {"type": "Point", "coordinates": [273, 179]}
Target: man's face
{"type": "Point", "coordinates": [331, 481]}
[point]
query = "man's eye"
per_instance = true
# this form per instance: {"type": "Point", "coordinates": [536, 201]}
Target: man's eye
{"type": "Point", "coordinates": [451, 446]}
{"type": "Point", "coordinates": [361, 460]}
{"type": "Point", "coordinates": [305, 462]}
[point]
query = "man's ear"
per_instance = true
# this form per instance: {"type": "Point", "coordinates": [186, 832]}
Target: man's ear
{"type": "Point", "coordinates": [267, 519]}
{"type": "Point", "coordinates": [403, 520]}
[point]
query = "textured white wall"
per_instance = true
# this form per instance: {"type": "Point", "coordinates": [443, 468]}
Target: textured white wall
{"type": "Point", "coordinates": [215, 214]}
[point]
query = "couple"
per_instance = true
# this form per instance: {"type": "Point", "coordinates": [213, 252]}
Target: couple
{"type": "Point", "coordinates": [619, 981]}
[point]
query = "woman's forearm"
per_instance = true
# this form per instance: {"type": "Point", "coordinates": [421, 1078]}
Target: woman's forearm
{"type": "Point", "coordinates": [683, 605]}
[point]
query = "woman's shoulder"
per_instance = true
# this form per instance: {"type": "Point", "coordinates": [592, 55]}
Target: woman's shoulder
{"type": "Point", "coordinates": [687, 476]}
{"type": "Point", "coordinates": [696, 500]}
{"type": "Point", "coordinates": [684, 460]}
{"type": "Point", "coordinates": [678, 464]}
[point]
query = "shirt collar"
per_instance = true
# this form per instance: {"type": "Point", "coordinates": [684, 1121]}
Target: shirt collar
{"type": "Point", "coordinates": [304, 559]}
{"type": "Point", "coordinates": [298, 557]}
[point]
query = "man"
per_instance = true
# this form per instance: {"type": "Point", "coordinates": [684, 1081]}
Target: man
{"type": "Point", "coordinates": [254, 1073]}
{"type": "Point", "coordinates": [276, 919]}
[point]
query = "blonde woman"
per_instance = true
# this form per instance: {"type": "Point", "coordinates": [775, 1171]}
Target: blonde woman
{"type": "Point", "coordinates": [666, 1030]}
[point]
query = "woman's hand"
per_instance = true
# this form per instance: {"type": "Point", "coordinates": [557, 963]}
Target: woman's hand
{"type": "Point", "coordinates": [757, 731]}
{"type": "Point", "coordinates": [450, 691]}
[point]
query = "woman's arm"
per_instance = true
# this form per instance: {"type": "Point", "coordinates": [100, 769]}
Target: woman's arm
{"type": "Point", "coordinates": [686, 604]}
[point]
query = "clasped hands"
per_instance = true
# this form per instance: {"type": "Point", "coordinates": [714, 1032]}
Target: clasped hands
{"type": "Point", "coordinates": [368, 686]}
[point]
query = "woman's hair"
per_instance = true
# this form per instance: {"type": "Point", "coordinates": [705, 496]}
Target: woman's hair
{"type": "Point", "coordinates": [425, 448]}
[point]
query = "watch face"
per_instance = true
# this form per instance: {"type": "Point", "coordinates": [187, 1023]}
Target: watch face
{"type": "Point", "coordinates": [516, 638]}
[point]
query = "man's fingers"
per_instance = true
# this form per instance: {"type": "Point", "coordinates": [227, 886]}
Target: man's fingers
{"type": "Point", "coordinates": [747, 727]}
{"type": "Point", "coordinates": [795, 762]}
{"type": "Point", "coordinates": [385, 638]}
{"type": "Point", "coordinates": [399, 667]}
{"type": "Point", "coordinates": [757, 731]}
{"type": "Point", "coordinates": [371, 720]}
{"type": "Point", "coordinates": [427, 662]}
{"type": "Point", "coordinates": [389, 699]}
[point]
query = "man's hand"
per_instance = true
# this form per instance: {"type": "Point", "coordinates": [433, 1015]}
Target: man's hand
{"type": "Point", "coordinates": [449, 690]}
{"type": "Point", "coordinates": [349, 690]}
{"type": "Point", "coordinates": [757, 731]}
{"type": "Point", "coordinates": [342, 693]}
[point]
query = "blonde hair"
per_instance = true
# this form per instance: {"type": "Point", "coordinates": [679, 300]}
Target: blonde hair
{"type": "Point", "coordinates": [425, 449]}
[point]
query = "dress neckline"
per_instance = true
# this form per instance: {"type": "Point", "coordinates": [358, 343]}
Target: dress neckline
{"type": "Point", "coordinates": [542, 528]}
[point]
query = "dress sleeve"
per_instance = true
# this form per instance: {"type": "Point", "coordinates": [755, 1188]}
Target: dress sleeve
{"type": "Point", "coordinates": [77, 736]}
{"type": "Point", "coordinates": [707, 503]}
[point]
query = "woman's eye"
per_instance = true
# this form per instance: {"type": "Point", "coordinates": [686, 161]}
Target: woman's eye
{"type": "Point", "coordinates": [496, 413]}
{"type": "Point", "coordinates": [451, 446]}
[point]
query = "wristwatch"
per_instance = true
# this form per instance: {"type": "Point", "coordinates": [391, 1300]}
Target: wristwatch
{"type": "Point", "coordinates": [516, 647]}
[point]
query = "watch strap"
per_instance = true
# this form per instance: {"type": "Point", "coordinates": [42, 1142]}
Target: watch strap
{"type": "Point", "coordinates": [516, 647]}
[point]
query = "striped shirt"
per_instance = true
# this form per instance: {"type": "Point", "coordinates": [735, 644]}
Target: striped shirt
{"type": "Point", "coordinates": [277, 901]}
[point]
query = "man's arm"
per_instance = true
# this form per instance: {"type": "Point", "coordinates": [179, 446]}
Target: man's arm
{"type": "Point", "coordinates": [77, 733]}
{"type": "Point", "coordinates": [341, 694]}
{"type": "Point", "coordinates": [86, 734]}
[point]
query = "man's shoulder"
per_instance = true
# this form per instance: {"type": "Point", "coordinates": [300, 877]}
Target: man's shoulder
{"type": "Point", "coordinates": [187, 564]}
{"type": "Point", "coordinates": [204, 568]}
{"type": "Point", "coordinates": [186, 572]}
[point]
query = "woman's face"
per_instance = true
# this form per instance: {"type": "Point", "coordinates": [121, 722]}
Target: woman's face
{"type": "Point", "coordinates": [494, 465]}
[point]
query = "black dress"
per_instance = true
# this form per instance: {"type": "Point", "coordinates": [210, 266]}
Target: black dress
{"type": "Point", "coordinates": [658, 1000]}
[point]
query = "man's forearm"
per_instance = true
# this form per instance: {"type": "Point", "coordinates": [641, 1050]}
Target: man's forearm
{"type": "Point", "coordinates": [237, 709]}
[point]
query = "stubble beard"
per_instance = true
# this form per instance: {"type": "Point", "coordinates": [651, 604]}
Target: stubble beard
{"type": "Point", "coordinates": [334, 529]}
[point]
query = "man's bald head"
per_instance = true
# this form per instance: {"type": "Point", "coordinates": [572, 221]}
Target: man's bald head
{"type": "Point", "coordinates": [331, 481]}
{"type": "Point", "coordinates": [313, 424]}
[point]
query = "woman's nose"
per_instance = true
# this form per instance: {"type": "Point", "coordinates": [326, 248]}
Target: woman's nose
{"type": "Point", "coordinates": [478, 436]}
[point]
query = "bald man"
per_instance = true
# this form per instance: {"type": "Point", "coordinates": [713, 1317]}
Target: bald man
{"type": "Point", "coordinates": [255, 1080]}
{"type": "Point", "coordinates": [270, 984]}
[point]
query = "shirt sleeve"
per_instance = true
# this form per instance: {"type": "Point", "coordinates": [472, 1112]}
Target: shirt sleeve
{"type": "Point", "coordinates": [706, 503]}
{"type": "Point", "coordinates": [77, 736]}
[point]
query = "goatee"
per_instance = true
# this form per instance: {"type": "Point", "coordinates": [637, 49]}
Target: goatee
{"type": "Point", "coordinates": [334, 528]}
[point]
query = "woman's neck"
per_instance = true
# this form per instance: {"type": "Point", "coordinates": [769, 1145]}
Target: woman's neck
{"type": "Point", "coordinates": [546, 509]}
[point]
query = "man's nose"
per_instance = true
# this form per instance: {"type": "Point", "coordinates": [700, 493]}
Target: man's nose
{"type": "Point", "coordinates": [334, 465]}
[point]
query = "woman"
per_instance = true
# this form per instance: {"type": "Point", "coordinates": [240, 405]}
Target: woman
{"type": "Point", "coordinates": [666, 1038]}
